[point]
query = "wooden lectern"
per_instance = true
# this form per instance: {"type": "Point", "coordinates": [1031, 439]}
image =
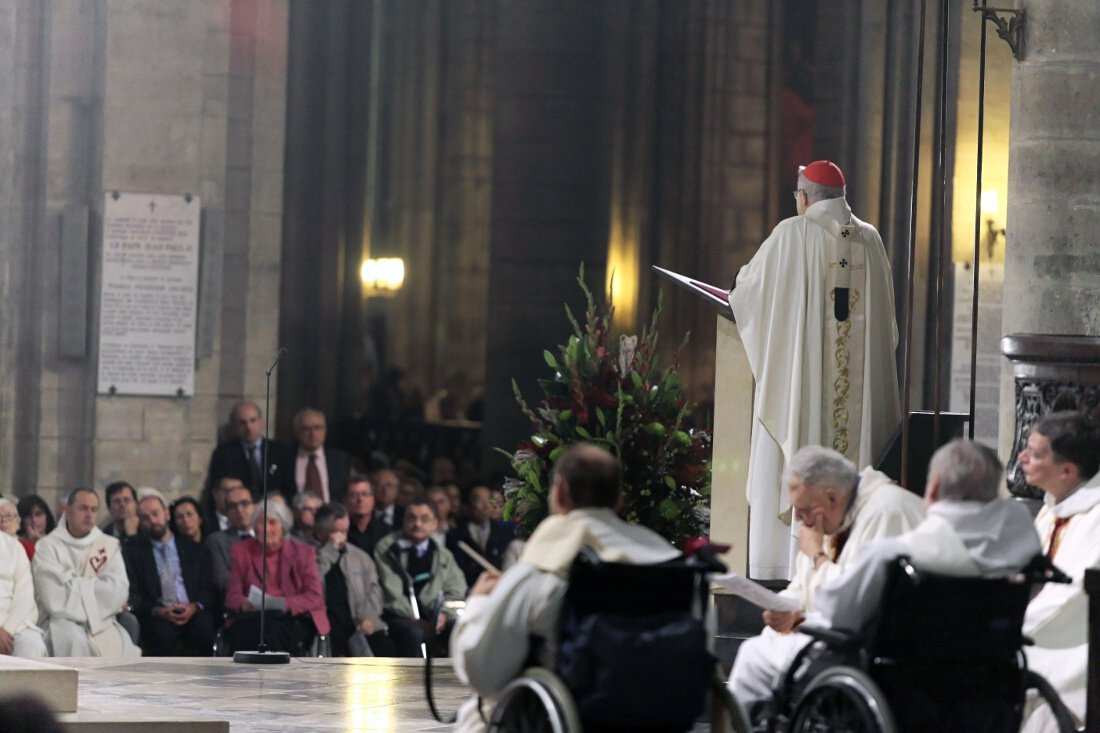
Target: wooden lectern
{"type": "Point", "coordinates": [733, 392]}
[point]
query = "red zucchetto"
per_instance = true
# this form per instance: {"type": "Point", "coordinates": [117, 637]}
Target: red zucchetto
{"type": "Point", "coordinates": [824, 173]}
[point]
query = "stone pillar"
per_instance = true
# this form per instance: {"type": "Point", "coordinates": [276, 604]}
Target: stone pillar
{"type": "Point", "coordinates": [172, 97]}
{"type": "Point", "coordinates": [1052, 265]}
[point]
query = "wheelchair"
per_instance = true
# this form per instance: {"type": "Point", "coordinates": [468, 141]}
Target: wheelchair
{"type": "Point", "coordinates": [946, 654]}
{"type": "Point", "coordinates": [632, 656]}
{"type": "Point", "coordinates": [318, 645]}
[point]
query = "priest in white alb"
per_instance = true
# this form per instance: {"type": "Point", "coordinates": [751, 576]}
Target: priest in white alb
{"type": "Point", "coordinates": [815, 310]}
{"type": "Point", "coordinates": [19, 636]}
{"type": "Point", "coordinates": [81, 585]}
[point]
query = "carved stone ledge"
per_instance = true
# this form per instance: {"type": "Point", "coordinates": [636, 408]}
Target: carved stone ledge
{"type": "Point", "coordinates": [1052, 373]}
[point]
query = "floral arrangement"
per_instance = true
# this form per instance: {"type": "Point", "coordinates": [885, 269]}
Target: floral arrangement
{"type": "Point", "coordinates": [614, 394]}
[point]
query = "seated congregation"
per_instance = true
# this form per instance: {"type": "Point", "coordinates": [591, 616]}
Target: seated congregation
{"type": "Point", "coordinates": [863, 541]}
{"type": "Point", "coordinates": [376, 569]}
{"type": "Point", "coordinates": [354, 564]}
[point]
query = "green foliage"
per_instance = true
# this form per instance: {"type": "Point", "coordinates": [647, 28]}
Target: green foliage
{"type": "Point", "coordinates": [611, 392]}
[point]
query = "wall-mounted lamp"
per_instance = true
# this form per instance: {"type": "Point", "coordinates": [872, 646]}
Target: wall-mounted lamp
{"type": "Point", "coordinates": [382, 277]}
{"type": "Point", "coordinates": [989, 209]}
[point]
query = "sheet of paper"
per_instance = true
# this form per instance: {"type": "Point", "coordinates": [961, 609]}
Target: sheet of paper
{"type": "Point", "coordinates": [274, 603]}
{"type": "Point", "coordinates": [752, 591]}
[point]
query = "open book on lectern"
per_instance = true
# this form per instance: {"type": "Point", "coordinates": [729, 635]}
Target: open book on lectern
{"type": "Point", "coordinates": [714, 295]}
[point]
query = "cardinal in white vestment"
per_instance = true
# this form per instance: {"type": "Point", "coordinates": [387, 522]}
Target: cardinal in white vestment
{"type": "Point", "coordinates": [815, 310]}
{"type": "Point", "coordinates": [81, 585]}
{"type": "Point", "coordinates": [19, 636]}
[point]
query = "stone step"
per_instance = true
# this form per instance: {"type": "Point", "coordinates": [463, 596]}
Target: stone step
{"type": "Point", "coordinates": [149, 721]}
{"type": "Point", "coordinates": [55, 684]}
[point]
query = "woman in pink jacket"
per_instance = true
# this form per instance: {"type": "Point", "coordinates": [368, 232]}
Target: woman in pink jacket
{"type": "Point", "coordinates": [293, 587]}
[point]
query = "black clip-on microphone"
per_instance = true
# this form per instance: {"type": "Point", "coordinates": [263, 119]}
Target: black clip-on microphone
{"type": "Point", "coordinates": [262, 655]}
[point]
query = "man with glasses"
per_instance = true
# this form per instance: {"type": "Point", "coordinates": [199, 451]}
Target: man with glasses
{"type": "Point", "coordinates": [840, 510]}
{"type": "Point", "coordinates": [815, 310]}
{"type": "Point", "coordinates": [364, 530]}
{"type": "Point", "coordinates": [217, 547]}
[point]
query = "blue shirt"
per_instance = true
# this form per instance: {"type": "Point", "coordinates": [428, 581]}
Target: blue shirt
{"type": "Point", "coordinates": [166, 552]}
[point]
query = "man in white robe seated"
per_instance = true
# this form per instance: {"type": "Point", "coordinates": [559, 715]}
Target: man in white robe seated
{"type": "Point", "coordinates": [81, 585]}
{"type": "Point", "coordinates": [815, 311]}
{"type": "Point", "coordinates": [969, 531]}
{"type": "Point", "coordinates": [1062, 457]}
{"type": "Point", "coordinates": [19, 636]}
{"type": "Point", "coordinates": [840, 511]}
{"type": "Point", "coordinates": [492, 640]}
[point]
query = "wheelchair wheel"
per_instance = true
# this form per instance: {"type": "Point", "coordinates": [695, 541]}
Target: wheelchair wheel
{"type": "Point", "coordinates": [842, 699]}
{"type": "Point", "coordinates": [1063, 718]}
{"type": "Point", "coordinates": [535, 702]}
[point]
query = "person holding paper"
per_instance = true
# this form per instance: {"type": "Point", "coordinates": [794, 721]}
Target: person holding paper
{"type": "Point", "coordinates": [968, 531]}
{"type": "Point", "coordinates": [840, 511]}
{"type": "Point", "coordinates": [815, 310]}
{"type": "Point", "coordinates": [293, 586]}
{"type": "Point", "coordinates": [507, 615]}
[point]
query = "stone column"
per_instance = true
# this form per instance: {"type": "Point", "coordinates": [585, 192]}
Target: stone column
{"type": "Point", "coordinates": [1052, 264]}
{"type": "Point", "coordinates": [172, 97]}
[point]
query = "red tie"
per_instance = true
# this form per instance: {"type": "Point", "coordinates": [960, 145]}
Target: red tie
{"type": "Point", "coordinates": [313, 478]}
{"type": "Point", "coordinates": [1056, 536]}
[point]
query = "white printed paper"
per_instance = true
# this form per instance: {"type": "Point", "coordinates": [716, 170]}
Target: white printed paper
{"type": "Point", "coordinates": [274, 603]}
{"type": "Point", "coordinates": [752, 591]}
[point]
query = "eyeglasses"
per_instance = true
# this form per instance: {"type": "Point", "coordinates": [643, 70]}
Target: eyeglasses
{"type": "Point", "coordinates": [795, 193]}
{"type": "Point", "coordinates": [8, 516]}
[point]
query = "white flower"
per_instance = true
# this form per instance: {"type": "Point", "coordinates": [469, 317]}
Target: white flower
{"type": "Point", "coordinates": [523, 456]}
{"type": "Point", "coordinates": [627, 345]}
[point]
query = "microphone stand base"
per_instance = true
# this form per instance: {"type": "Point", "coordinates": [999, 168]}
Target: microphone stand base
{"type": "Point", "coordinates": [261, 657]}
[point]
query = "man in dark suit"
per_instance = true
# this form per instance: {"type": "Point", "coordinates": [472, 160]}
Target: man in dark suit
{"type": "Point", "coordinates": [217, 548]}
{"type": "Point", "coordinates": [489, 537]}
{"type": "Point", "coordinates": [122, 505]}
{"type": "Point", "coordinates": [168, 590]}
{"type": "Point", "coordinates": [318, 469]}
{"type": "Point", "coordinates": [364, 529]}
{"type": "Point", "coordinates": [244, 455]}
{"type": "Point", "coordinates": [386, 484]}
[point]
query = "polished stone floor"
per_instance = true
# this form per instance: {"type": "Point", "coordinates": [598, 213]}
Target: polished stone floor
{"type": "Point", "coordinates": [306, 696]}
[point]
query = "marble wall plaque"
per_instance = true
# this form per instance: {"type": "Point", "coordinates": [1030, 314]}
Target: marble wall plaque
{"type": "Point", "coordinates": [149, 294]}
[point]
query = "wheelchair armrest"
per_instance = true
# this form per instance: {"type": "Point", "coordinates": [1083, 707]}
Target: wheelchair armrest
{"type": "Point", "coordinates": [831, 637]}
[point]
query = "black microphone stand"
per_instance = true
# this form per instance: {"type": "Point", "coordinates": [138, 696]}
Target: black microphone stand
{"type": "Point", "coordinates": [262, 655]}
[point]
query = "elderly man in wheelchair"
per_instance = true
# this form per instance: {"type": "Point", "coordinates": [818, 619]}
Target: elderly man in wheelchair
{"type": "Point", "coordinates": [610, 607]}
{"type": "Point", "coordinates": [923, 633]}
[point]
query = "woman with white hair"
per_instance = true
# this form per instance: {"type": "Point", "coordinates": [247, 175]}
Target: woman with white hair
{"type": "Point", "coordinates": [292, 579]}
{"type": "Point", "coordinates": [9, 524]}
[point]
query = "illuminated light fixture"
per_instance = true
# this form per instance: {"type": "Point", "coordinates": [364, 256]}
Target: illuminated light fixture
{"type": "Point", "coordinates": [989, 202]}
{"type": "Point", "coordinates": [382, 276]}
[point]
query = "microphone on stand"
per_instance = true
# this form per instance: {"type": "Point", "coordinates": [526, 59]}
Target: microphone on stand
{"type": "Point", "coordinates": [262, 655]}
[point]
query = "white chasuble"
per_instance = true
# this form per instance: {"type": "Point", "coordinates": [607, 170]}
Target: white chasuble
{"type": "Point", "coordinates": [81, 586]}
{"type": "Point", "coordinates": [820, 380]}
